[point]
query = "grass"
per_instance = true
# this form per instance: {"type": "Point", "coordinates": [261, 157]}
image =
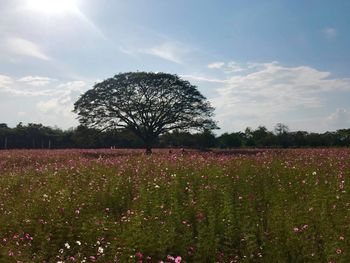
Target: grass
{"type": "Point", "coordinates": [276, 206]}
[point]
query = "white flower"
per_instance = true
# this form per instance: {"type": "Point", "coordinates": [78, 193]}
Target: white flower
{"type": "Point", "coordinates": [67, 246]}
{"type": "Point", "coordinates": [78, 242]}
{"type": "Point", "coordinates": [313, 173]}
{"type": "Point", "coordinates": [100, 250]}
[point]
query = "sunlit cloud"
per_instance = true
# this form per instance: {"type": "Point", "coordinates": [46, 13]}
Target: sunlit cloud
{"type": "Point", "coordinates": [59, 108]}
{"type": "Point", "coordinates": [36, 80]}
{"type": "Point", "coordinates": [339, 119]}
{"type": "Point", "coordinates": [23, 47]}
{"type": "Point", "coordinates": [165, 51]}
{"type": "Point", "coordinates": [5, 81]}
{"type": "Point", "coordinates": [52, 7]}
{"type": "Point", "coordinates": [266, 91]}
{"type": "Point", "coordinates": [204, 78]}
{"type": "Point", "coordinates": [170, 51]}
{"type": "Point", "coordinates": [52, 100]}
{"type": "Point", "coordinates": [216, 65]}
{"type": "Point", "coordinates": [39, 86]}
{"type": "Point", "coordinates": [234, 66]}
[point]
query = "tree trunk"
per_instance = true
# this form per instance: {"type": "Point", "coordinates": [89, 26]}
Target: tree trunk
{"type": "Point", "coordinates": [5, 143]}
{"type": "Point", "coordinates": [149, 142]}
{"type": "Point", "coordinates": [148, 150]}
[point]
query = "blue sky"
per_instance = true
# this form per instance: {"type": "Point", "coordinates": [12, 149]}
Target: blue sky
{"type": "Point", "coordinates": [258, 62]}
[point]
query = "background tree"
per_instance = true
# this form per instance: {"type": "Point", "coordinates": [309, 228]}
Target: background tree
{"type": "Point", "coordinates": [22, 136]}
{"type": "Point", "coordinates": [283, 136]}
{"type": "Point", "coordinates": [248, 137]}
{"type": "Point", "coordinates": [261, 136]}
{"type": "Point", "coordinates": [299, 138]}
{"type": "Point", "coordinates": [232, 140]}
{"type": "Point", "coordinates": [205, 140]}
{"type": "Point", "coordinates": [281, 128]}
{"type": "Point", "coordinates": [4, 133]}
{"type": "Point", "coordinates": [149, 104]}
{"type": "Point", "coordinates": [178, 139]}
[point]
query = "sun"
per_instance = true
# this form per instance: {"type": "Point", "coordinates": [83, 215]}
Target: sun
{"type": "Point", "coordinates": [53, 7]}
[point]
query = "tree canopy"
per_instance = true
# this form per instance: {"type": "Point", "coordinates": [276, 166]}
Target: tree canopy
{"type": "Point", "coordinates": [149, 104]}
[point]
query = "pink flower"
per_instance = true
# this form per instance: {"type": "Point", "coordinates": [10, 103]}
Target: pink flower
{"type": "Point", "coordinates": [200, 216]}
{"type": "Point", "coordinates": [338, 251]}
{"type": "Point", "coordinates": [10, 253]}
{"type": "Point", "coordinates": [296, 230]}
{"type": "Point", "coordinates": [28, 237]}
{"type": "Point", "coordinates": [170, 258]}
{"type": "Point", "coordinates": [138, 254]}
{"type": "Point", "coordinates": [178, 259]}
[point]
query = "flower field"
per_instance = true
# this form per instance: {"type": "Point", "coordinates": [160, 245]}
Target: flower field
{"type": "Point", "coordinates": [124, 206]}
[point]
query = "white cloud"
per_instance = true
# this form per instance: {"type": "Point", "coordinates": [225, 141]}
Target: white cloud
{"type": "Point", "coordinates": [57, 109]}
{"type": "Point", "coordinates": [216, 65]}
{"type": "Point", "coordinates": [24, 47]}
{"type": "Point", "coordinates": [203, 78]}
{"type": "Point", "coordinates": [330, 32]}
{"type": "Point", "coordinates": [167, 51]}
{"type": "Point", "coordinates": [267, 91]}
{"type": "Point", "coordinates": [47, 105]}
{"type": "Point", "coordinates": [171, 51]}
{"type": "Point", "coordinates": [36, 80]}
{"type": "Point", "coordinates": [127, 51]}
{"type": "Point", "coordinates": [64, 97]}
{"type": "Point", "coordinates": [339, 119]}
{"type": "Point", "coordinates": [30, 86]}
{"type": "Point", "coordinates": [239, 68]}
{"type": "Point", "coordinates": [5, 81]}
{"type": "Point", "coordinates": [235, 67]}
{"type": "Point", "coordinates": [50, 104]}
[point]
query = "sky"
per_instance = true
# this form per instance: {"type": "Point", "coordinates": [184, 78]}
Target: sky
{"type": "Point", "coordinates": [257, 62]}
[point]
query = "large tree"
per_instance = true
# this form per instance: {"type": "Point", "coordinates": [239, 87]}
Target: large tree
{"type": "Point", "coordinates": [147, 103]}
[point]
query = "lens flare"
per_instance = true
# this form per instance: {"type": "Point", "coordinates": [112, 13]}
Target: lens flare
{"type": "Point", "coordinates": [53, 7]}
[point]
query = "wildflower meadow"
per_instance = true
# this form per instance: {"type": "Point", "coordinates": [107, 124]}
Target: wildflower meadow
{"type": "Point", "coordinates": [123, 206]}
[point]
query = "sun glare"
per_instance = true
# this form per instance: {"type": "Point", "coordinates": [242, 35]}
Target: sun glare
{"type": "Point", "coordinates": [53, 7]}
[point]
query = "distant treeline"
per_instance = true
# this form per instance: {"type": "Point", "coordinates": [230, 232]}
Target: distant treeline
{"type": "Point", "coordinates": [37, 136]}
